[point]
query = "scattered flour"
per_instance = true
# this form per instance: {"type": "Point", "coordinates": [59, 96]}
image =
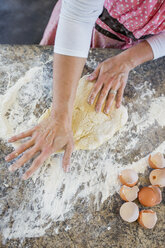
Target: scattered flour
{"type": "Point", "coordinates": [92, 174]}
{"type": "Point", "coordinates": [157, 111]}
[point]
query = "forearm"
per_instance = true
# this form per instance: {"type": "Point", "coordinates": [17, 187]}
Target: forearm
{"type": "Point", "coordinates": [72, 44]}
{"type": "Point", "coordinates": [138, 54]}
{"type": "Point", "coordinates": [67, 71]}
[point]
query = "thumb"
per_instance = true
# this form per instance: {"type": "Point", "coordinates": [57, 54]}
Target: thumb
{"type": "Point", "coordinates": [67, 156]}
{"type": "Point", "coordinates": [94, 74]}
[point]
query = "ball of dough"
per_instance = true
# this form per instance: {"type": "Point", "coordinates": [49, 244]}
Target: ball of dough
{"type": "Point", "coordinates": [91, 129]}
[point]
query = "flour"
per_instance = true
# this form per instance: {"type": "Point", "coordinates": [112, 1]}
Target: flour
{"type": "Point", "coordinates": [92, 63]}
{"type": "Point", "coordinates": [157, 111]}
{"type": "Point", "coordinates": [155, 114]}
{"type": "Point", "coordinates": [93, 173]}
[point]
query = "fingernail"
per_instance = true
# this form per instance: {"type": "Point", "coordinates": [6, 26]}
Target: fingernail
{"type": "Point", "coordinates": [90, 101]}
{"type": "Point", "coordinates": [24, 177]}
{"type": "Point", "coordinates": [67, 168]}
{"type": "Point", "coordinates": [98, 108]}
{"type": "Point", "coordinates": [7, 157]}
{"type": "Point", "coordinates": [12, 169]}
{"type": "Point", "coordinates": [106, 111]}
{"type": "Point", "coordinates": [91, 76]}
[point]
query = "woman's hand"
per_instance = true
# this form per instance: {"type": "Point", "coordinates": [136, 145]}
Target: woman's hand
{"type": "Point", "coordinates": [49, 136]}
{"type": "Point", "coordinates": [111, 77]}
{"type": "Point", "coordinates": [112, 74]}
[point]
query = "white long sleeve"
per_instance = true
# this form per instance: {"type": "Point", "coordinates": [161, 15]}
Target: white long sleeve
{"type": "Point", "coordinates": [77, 19]}
{"type": "Point", "coordinates": [157, 43]}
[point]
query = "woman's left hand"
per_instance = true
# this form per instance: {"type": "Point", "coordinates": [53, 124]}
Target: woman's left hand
{"type": "Point", "coordinates": [111, 77]}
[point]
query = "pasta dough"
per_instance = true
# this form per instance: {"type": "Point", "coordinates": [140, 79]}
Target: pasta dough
{"type": "Point", "coordinates": [91, 129]}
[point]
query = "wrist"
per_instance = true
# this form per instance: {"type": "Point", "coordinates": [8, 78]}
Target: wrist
{"type": "Point", "coordinates": [62, 116]}
{"type": "Point", "coordinates": [127, 58]}
{"type": "Point", "coordinates": [137, 55]}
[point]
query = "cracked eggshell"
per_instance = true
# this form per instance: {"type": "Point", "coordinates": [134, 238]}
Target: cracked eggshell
{"type": "Point", "coordinates": [129, 193]}
{"type": "Point", "coordinates": [128, 177]}
{"type": "Point", "coordinates": [157, 177]}
{"type": "Point", "coordinates": [156, 161]}
{"type": "Point", "coordinates": [149, 196]}
{"type": "Point", "coordinates": [147, 218]}
{"type": "Point", "coordinates": [158, 193]}
{"type": "Point", "coordinates": [129, 211]}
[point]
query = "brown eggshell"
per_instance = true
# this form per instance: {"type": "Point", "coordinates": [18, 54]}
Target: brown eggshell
{"type": "Point", "coordinates": [147, 197]}
{"type": "Point", "coordinates": [128, 177]}
{"type": "Point", "coordinates": [129, 212]}
{"type": "Point", "coordinates": [157, 177]}
{"type": "Point", "coordinates": [147, 218]}
{"type": "Point", "coordinates": [156, 161]}
{"type": "Point", "coordinates": [129, 193]}
{"type": "Point", "coordinates": [151, 164]}
{"type": "Point", "coordinates": [158, 193]}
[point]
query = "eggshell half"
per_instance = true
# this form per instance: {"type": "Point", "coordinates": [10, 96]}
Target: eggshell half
{"type": "Point", "coordinates": [128, 177]}
{"type": "Point", "coordinates": [148, 197]}
{"type": "Point", "coordinates": [156, 161]}
{"type": "Point", "coordinates": [157, 177]}
{"type": "Point", "coordinates": [129, 212]}
{"type": "Point", "coordinates": [147, 218]}
{"type": "Point", "coordinates": [129, 193]}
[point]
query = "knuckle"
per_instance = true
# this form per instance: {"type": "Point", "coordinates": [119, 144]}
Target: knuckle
{"type": "Point", "coordinates": [119, 98]}
{"type": "Point", "coordinates": [104, 92]}
{"type": "Point", "coordinates": [37, 163]}
{"type": "Point", "coordinates": [28, 173]}
{"type": "Point", "coordinates": [22, 134]}
{"type": "Point", "coordinates": [46, 151]}
{"type": "Point", "coordinates": [40, 141]}
{"type": "Point", "coordinates": [102, 95]}
{"type": "Point", "coordinates": [98, 84]}
{"type": "Point", "coordinates": [106, 87]}
{"type": "Point", "coordinates": [26, 156]}
{"type": "Point", "coordinates": [23, 147]}
{"type": "Point", "coordinates": [36, 147]}
{"type": "Point", "coordinates": [120, 93]}
{"type": "Point", "coordinates": [95, 88]}
{"type": "Point", "coordinates": [110, 98]}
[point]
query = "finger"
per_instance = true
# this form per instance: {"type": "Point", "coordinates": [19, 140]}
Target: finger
{"type": "Point", "coordinates": [67, 156]}
{"type": "Point", "coordinates": [25, 157]}
{"type": "Point", "coordinates": [94, 74]}
{"type": "Point", "coordinates": [102, 97]}
{"type": "Point", "coordinates": [20, 150]}
{"type": "Point", "coordinates": [35, 165]}
{"type": "Point", "coordinates": [22, 135]}
{"type": "Point", "coordinates": [110, 98]}
{"type": "Point", "coordinates": [95, 90]}
{"type": "Point", "coordinates": [119, 96]}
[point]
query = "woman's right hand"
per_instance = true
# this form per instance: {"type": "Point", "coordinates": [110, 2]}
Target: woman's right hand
{"type": "Point", "coordinates": [49, 136]}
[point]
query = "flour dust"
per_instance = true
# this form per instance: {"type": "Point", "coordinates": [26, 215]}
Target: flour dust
{"type": "Point", "coordinates": [55, 193]}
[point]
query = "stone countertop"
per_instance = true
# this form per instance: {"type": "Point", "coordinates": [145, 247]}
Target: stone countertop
{"type": "Point", "coordinates": [104, 228]}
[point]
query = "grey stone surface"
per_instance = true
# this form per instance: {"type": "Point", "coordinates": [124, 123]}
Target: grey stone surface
{"type": "Point", "coordinates": [88, 233]}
